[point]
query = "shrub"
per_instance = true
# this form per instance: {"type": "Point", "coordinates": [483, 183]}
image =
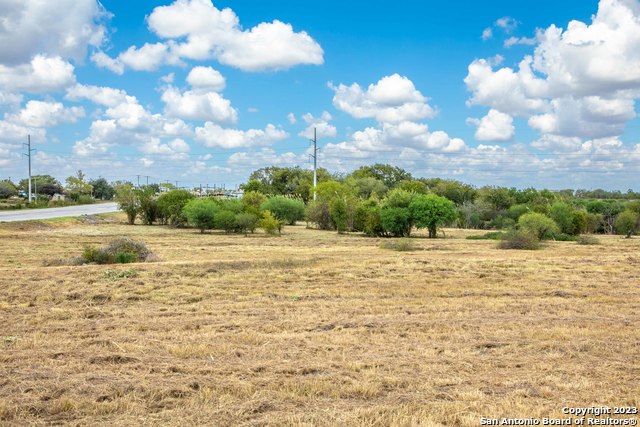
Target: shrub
{"type": "Point", "coordinates": [128, 201]}
{"type": "Point", "coordinates": [588, 240]}
{"type": "Point", "coordinates": [319, 213]}
{"type": "Point", "coordinates": [396, 221]}
{"type": "Point", "coordinates": [170, 205]}
{"type": "Point", "coordinates": [519, 240]}
{"type": "Point", "coordinates": [367, 218]}
{"type": "Point", "coordinates": [149, 210]}
{"type": "Point", "coordinates": [224, 220]}
{"type": "Point", "coordinates": [200, 213]}
{"type": "Point", "coordinates": [627, 223]}
{"type": "Point", "coordinates": [400, 245]}
{"type": "Point", "coordinates": [564, 215]}
{"type": "Point", "coordinates": [119, 251]}
{"type": "Point", "coordinates": [246, 222]}
{"type": "Point", "coordinates": [430, 211]}
{"type": "Point", "coordinates": [285, 209]}
{"type": "Point", "coordinates": [270, 224]}
{"type": "Point", "coordinates": [339, 215]}
{"type": "Point", "coordinates": [541, 226]}
{"type": "Point", "coordinates": [251, 202]}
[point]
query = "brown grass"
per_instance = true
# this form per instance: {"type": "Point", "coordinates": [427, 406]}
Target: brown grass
{"type": "Point", "coordinates": [311, 329]}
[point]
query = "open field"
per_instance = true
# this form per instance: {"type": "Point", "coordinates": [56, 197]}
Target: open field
{"type": "Point", "coordinates": [311, 328]}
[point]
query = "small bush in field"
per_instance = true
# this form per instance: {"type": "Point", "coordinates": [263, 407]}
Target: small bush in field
{"type": "Point", "coordinates": [400, 245]}
{"type": "Point", "coordinates": [519, 240]}
{"type": "Point", "coordinates": [246, 222]}
{"type": "Point", "coordinates": [588, 240]}
{"type": "Point", "coordinates": [119, 251]}
{"type": "Point", "coordinates": [270, 224]}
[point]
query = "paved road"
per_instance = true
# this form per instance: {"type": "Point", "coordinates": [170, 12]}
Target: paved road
{"type": "Point", "coordinates": [34, 214]}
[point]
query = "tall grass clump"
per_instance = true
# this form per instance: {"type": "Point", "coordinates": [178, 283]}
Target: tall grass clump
{"type": "Point", "coordinates": [519, 240]}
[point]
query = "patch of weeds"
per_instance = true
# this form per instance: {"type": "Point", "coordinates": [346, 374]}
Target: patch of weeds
{"type": "Point", "coordinates": [400, 245]}
{"type": "Point", "coordinates": [588, 240]}
{"type": "Point", "coordinates": [519, 240]}
{"type": "Point", "coordinates": [119, 274]}
{"type": "Point", "coordinates": [494, 235]}
{"type": "Point", "coordinates": [10, 339]}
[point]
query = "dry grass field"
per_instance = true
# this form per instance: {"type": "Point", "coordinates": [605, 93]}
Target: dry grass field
{"type": "Point", "coordinates": [310, 329]}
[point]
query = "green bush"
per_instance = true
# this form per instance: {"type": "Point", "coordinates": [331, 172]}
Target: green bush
{"type": "Point", "coordinates": [200, 213]}
{"type": "Point", "coordinates": [627, 223]}
{"type": "Point", "coordinates": [246, 222]}
{"type": "Point", "coordinates": [148, 204]}
{"type": "Point", "coordinates": [367, 218]}
{"type": "Point", "coordinates": [285, 209]}
{"type": "Point", "coordinates": [170, 205]}
{"type": "Point", "coordinates": [541, 226]}
{"type": "Point", "coordinates": [251, 202]}
{"type": "Point", "coordinates": [519, 240]}
{"type": "Point", "coordinates": [396, 221]}
{"type": "Point", "coordinates": [270, 224]}
{"type": "Point", "coordinates": [339, 215]}
{"type": "Point", "coordinates": [319, 213]}
{"type": "Point", "coordinates": [128, 201]}
{"type": "Point", "coordinates": [224, 220]}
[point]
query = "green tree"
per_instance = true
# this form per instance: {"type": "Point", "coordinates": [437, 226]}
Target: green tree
{"type": "Point", "coordinates": [539, 225]}
{"type": "Point", "coordinates": [285, 209]}
{"type": "Point", "coordinates": [563, 215]}
{"type": "Point", "coordinates": [102, 189]}
{"type": "Point", "coordinates": [201, 213]}
{"type": "Point", "coordinates": [7, 189]}
{"type": "Point", "coordinates": [170, 205]}
{"type": "Point", "coordinates": [23, 185]}
{"type": "Point", "coordinates": [367, 186]}
{"type": "Point", "coordinates": [251, 202]}
{"type": "Point", "coordinates": [627, 223]}
{"type": "Point", "coordinates": [78, 184]}
{"type": "Point", "coordinates": [413, 186]}
{"type": "Point", "coordinates": [396, 221]}
{"type": "Point", "coordinates": [391, 176]}
{"type": "Point", "coordinates": [128, 201]}
{"type": "Point", "coordinates": [148, 203]}
{"type": "Point", "coordinates": [455, 191]}
{"type": "Point", "coordinates": [339, 215]}
{"type": "Point", "coordinates": [431, 211]}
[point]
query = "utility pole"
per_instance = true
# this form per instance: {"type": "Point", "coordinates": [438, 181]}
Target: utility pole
{"type": "Point", "coordinates": [138, 180]}
{"type": "Point", "coordinates": [147, 176]}
{"type": "Point", "coordinates": [315, 162]}
{"type": "Point", "coordinates": [28, 154]}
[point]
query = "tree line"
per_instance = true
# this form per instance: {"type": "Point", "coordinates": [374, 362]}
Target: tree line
{"type": "Point", "coordinates": [384, 200]}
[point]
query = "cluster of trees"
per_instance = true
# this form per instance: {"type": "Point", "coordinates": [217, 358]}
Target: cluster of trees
{"type": "Point", "coordinates": [378, 200]}
{"type": "Point", "coordinates": [181, 207]}
{"type": "Point", "coordinates": [77, 188]}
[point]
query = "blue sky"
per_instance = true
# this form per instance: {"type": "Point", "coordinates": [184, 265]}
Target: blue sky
{"type": "Point", "coordinates": [490, 93]}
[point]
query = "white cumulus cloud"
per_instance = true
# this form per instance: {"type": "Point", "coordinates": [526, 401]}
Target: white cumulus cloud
{"type": "Point", "coordinates": [213, 135]}
{"type": "Point", "coordinates": [495, 126]}
{"type": "Point", "coordinates": [392, 99]}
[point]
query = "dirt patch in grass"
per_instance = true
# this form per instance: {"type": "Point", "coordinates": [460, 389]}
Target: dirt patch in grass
{"type": "Point", "coordinates": [312, 328]}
